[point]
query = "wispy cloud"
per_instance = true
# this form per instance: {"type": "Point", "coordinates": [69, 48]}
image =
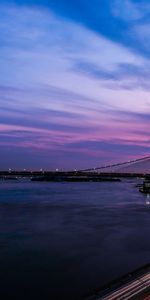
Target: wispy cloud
{"type": "Point", "coordinates": [54, 85]}
{"type": "Point", "coordinates": [128, 10]}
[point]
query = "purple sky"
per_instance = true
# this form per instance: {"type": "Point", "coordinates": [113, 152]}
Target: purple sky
{"type": "Point", "coordinates": [74, 83]}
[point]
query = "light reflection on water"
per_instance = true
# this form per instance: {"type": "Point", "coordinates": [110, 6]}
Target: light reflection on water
{"type": "Point", "coordinates": [64, 239]}
{"type": "Point", "coordinates": [148, 199]}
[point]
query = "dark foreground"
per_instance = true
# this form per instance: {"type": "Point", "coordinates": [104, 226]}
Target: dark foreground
{"type": "Point", "coordinates": [63, 240]}
{"type": "Point", "coordinates": [134, 285]}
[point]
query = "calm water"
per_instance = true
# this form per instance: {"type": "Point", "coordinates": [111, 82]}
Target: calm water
{"type": "Point", "coordinates": [61, 240]}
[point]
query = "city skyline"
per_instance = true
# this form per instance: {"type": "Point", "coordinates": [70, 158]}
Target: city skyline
{"type": "Point", "coordinates": [74, 83]}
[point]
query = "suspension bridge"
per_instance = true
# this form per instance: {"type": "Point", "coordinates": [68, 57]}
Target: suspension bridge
{"type": "Point", "coordinates": [139, 165]}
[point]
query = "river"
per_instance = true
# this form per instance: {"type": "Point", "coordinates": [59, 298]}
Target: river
{"type": "Point", "coordinates": [62, 240]}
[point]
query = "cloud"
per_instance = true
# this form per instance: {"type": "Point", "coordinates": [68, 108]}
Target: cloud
{"type": "Point", "coordinates": [57, 43]}
{"type": "Point", "coordinates": [125, 76]}
{"type": "Point", "coordinates": [54, 84]}
{"type": "Point", "coordinates": [48, 53]}
{"type": "Point", "coordinates": [140, 33]}
{"type": "Point", "coordinates": [128, 10]}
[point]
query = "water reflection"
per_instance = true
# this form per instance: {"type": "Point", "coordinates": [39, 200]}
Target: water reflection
{"type": "Point", "coordinates": [148, 199]}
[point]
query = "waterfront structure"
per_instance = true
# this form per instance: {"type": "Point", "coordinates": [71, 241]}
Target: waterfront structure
{"type": "Point", "coordinates": [133, 286]}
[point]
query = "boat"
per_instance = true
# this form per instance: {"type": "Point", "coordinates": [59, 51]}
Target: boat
{"type": "Point", "coordinates": [145, 188]}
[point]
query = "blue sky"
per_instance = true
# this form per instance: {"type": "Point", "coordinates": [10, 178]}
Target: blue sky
{"type": "Point", "coordinates": [74, 82]}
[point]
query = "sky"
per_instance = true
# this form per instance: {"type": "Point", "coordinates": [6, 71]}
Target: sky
{"type": "Point", "coordinates": [74, 83]}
